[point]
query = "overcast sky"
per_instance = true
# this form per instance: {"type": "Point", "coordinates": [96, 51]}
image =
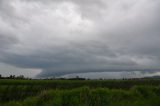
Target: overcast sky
{"type": "Point", "coordinates": [43, 38]}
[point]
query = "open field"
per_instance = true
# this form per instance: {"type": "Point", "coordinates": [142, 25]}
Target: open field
{"type": "Point", "coordinates": [137, 92]}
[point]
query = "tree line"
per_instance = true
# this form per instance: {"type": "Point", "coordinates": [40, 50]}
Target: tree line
{"type": "Point", "coordinates": [13, 77]}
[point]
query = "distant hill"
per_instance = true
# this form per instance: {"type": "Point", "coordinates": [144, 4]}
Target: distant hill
{"type": "Point", "coordinates": [153, 77]}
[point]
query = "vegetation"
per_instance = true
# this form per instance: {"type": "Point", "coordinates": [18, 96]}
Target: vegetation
{"type": "Point", "coordinates": [27, 92]}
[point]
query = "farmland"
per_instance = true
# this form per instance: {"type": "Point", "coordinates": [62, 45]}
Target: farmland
{"type": "Point", "coordinates": [135, 92]}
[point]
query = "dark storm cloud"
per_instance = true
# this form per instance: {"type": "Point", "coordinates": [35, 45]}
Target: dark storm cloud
{"type": "Point", "coordinates": [75, 36]}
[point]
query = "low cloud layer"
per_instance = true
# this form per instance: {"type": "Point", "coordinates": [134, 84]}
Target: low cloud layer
{"type": "Point", "coordinates": [74, 36]}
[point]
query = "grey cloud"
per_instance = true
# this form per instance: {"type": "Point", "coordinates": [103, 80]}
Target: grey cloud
{"type": "Point", "coordinates": [67, 55]}
{"type": "Point", "coordinates": [6, 41]}
{"type": "Point", "coordinates": [68, 36]}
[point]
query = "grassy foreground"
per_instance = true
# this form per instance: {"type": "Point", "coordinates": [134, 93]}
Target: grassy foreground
{"type": "Point", "coordinates": [79, 93]}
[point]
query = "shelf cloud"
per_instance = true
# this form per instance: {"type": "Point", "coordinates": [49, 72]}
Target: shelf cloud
{"type": "Point", "coordinates": [62, 37]}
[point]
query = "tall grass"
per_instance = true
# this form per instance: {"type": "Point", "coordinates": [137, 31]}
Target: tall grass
{"type": "Point", "coordinates": [73, 93]}
{"type": "Point", "coordinates": [84, 96]}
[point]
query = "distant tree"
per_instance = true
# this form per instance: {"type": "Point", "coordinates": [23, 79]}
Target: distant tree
{"type": "Point", "coordinates": [0, 76]}
{"type": "Point", "coordinates": [12, 77]}
{"type": "Point", "coordinates": [20, 77]}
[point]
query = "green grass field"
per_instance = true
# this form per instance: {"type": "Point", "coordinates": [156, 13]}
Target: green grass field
{"type": "Point", "coordinates": [140, 92]}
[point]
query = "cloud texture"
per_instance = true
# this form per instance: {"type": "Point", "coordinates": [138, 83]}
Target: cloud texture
{"type": "Point", "coordinates": [72, 36]}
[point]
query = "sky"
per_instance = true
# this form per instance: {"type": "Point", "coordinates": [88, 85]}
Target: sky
{"type": "Point", "coordinates": [97, 38]}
